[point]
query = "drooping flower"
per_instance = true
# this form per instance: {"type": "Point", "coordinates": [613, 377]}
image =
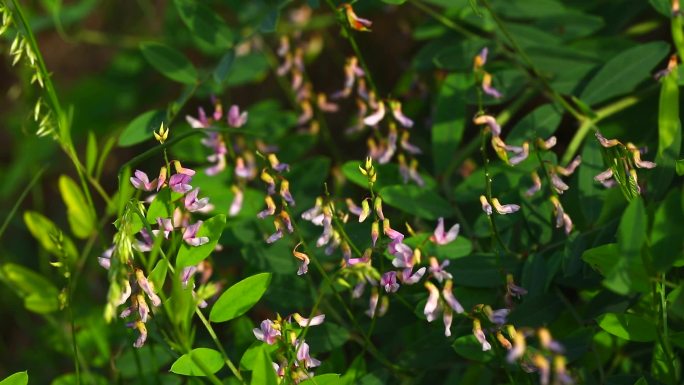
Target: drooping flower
{"type": "Point", "coordinates": [536, 184]}
{"type": "Point", "coordinates": [480, 336]}
{"type": "Point", "coordinates": [180, 183]}
{"type": "Point", "coordinates": [490, 121]}
{"type": "Point", "coordinates": [408, 146]}
{"type": "Point", "coordinates": [606, 142]}
{"type": "Point", "coordinates": [447, 317]}
{"type": "Point", "coordinates": [562, 218]}
{"type": "Point", "coordinates": [504, 209]}
{"type": "Point", "coordinates": [480, 59]}
{"type": "Point", "coordinates": [373, 302]}
{"type": "Point", "coordinates": [313, 321]}
{"type": "Point", "coordinates": [267, 332]}
{"type": "Point", "coordinates": [521, 153]}
{"type": "Point", "coordinates": [486, 207]}
{"type": "Point", "coordinates": [303, 260]}
{"type": "Point", "coordinates": [374, 118]}
{"type": "Point", "coordinates": [192, 203]}
{"type": "Point", "coordinates": [519, 345]}
{"type": "Point", "coordinates": [356, 22]}
{"type": "Point", "coordinates": [236, 204]}
{"type": "Point", "coordinates": [499, 316]}
{"type": "Point", "coordinates": [547, 342]}
{"type": "Point", "coordinates": [431, 309]}
{"type": "Point", "coordinates": [543, 368]}
{"type": "Point", "coordinates": [304, 357]}
{"type": "Point", "coordinates": [147, 287]}
{"type": "Point", "coordinates": [285, 192]}
{"type": "Point", "coordinates": [395, 106]}
{"type": "Point", "coordinates": [408, 277]}
{"type": "Point", "coordinates": [270, 208]}
{"type": "Point", "coordinates": [441, 237]}
{"type": "Point", "coordinates": [276, 164]}
{"type": "Point", "coordinates": [636, 156]}
{"type": "Point", "coordinates": [140, 326]}
{"type": "Point", "coordinates": [395, 237]}
{"type": "Point", "coordinates": [190, 235]}
{"type": "Point", "coordinates": [449, 297]}
{"type": "Point", "coordinates": [488, 88]}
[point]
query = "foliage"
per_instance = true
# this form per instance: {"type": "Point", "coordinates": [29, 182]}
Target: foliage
{"type": "Point", "coordinates": [320, 192]}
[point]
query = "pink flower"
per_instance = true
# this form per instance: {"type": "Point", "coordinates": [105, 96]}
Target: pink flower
{"type": "Point", "coordinates": [389, 282]}
{"type": "Point", "coordinates": [313, 321]}
{"type": "Point", "coordinates": [235, 118]}
{"type": "Point", "coordinates": [450, 299]}
{"type": "Point", "coordinates": [408, 277]}
{"type": "Point", "coordinates": [147, 287]}
{"type": "Point", "coordinates": [431, 309]}
{"type": "Point", "coordinates": [442, 238]}
{"type": "Point", "coordinates": [266, 332]}
{"type": "Point", "coordinates": [395, 105]}
{"type": "Point", "coordinates": [304, 357]}
{"type": "Point", "coordinates": [193, 204]}
{"type": "Point", "coordinates": [438, 271]}
{"type": "Point", "coordinates": [190, 235]}
{"type": "Point", "coordinates": [141, 182]}
{"type": "Point", "coordinates": [180, 183]}
{"type": "Point", "coordinates": [376, 117]}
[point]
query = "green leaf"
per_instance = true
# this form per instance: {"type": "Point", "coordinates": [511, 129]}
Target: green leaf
{"type": "Point", "coordinates": [81, 217]}
{"type": "Point", "coordinates": [240, 297]}
{"type": "Point", "coordinates": [450, 119]}
{"type": "Point", "coordinates": [632, 230]}
{"type": "Point", "coordinates": [669, 134]}
{"type": "Point", "coordinates": [223, 67]}
{"type": "Point", "coordinates": [421, 202]}
{"type": "Point", "coordinates": [206, 25]}
{"type": "Point", "coordinates": [187, 364]}
{"type": "Point", "coordinates": [395, 2]}
{"type": "Point", "coordinates": [91, 153]}
{"type": "Point", "coordinates": [39, 295]}
{"type": "Point", "coordinates": [192, 255]}
{"type": "Point", "coordinates": [540, 123]}
{"type": "Point", "coordinates": [667, 243]}
{"type": "Point", "coordinates": [263, 373]}
{"type": "Point", "coordinates": [480, 270]}
{"type": "Point", "coordinates": [141, 128]}
{"type": "Point", "coordinates": [590, 191]}
{"type": "Point", "coordinates": [603, 258]}
{"type": "Point", "coordinates": [468, 347]}
{"type": "Point", "coordinates": [45, 231]}
{"type": "Point", "coordinates": [628, 326]}
{"type": "Point", "coordinates": [19, 378]}
{"type": "Point", "coordinates": [250, 355]}
{"type": "Point", "coordinates": [679, 166]}
{"type": "Point", "coordinates": [169, 62]}
{"type": "Point", "coordinates": [324, 379]}
{"type": "Point", "coordinates": [160, 206]}
{"type": "Point", "coordinates": [327, 337]}
{"type": "Point", "coordinates": [624, 72]}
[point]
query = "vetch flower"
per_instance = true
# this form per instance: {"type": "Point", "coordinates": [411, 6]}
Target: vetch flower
{"type": "Point", "coordinates": [313, 321]}
{"type": "Point", "coordinates": [270, 208]}
{"type": "Point", "coordinates": [324, 104]}
{"type": "Point", "coordinates": [375, 232]}
{"type": "Point", "coordinates": [479, 334]}
{"type": "Point", "coordinates": [431, 309]}
{"type": "Point", "coordinates": [536, 184]}
{"type": "Point", "coordinates": [543, 368]}
{"type": "Point", "coordinates": [562, 218]}
{"type": "Point", "coordinates": [438, 271]}
{"type": "Point", "coordinates": [395, 237]}
{"type": "Point", "coordinates": [447, 317]}
{"type": "Point", "coordinates": [276, 164]}
{"type": "Point", "coordinates": [449, 297]}
{"type": "Point", "coordinates": [407, 146]}
{"type": "Point", "coordinates": [488, 88]}
{"type": "Point", "coordinates": [504, 209]}
{"type": "Point", "coordinates": [521, 153]}
{"type": "Point", "coordinates": [285, 192]}
{"type": "Point", "coordinates": [147, 287]}
{"type": "Point", "coordinates": [547, 342]}
{"type": "Point", "coordinates": [268, 179]}
{"type": "Point", "coordinates": [190, 235]}
{"type": "Point", "coordinates": [606, 178]}
{"type": "Point", "coordinates": [365, 210]}
{"type": "Point", "coordinates": [606, 142]}
{"type": "Point", "coordinates": [141, 182]}
{"type": "Point", "coordinates": [503, 341]}
{"type": "Point", "coordinates": [546, 144]}
{"type": "Point", "coordinates": [636, 156]}
{"type": "Point", "coordinates": [356, 22]}
{"type": "Point", "coordinates": [490, 121]}
{"type": "Point", "coordinates": [558, 183]}
{"type": "Point", "coordinates": [486, 207]}
{"type": "Point", "coordinates": [441, 237]}
{"type": "Point", "coordinates": [395, 106]}
{"type": "Point", "coordinates": [304, 357]}
{"type": "Point", "coordinates": [377, 206]}
{"type": "Point", "coordinates": [374, 118]}
{"type": "Point", "coordinates": [519, 345]}
{"type": "Point", "coordinates": [143, 309]}
{"type": "Point", "coordinates": [373, 303]}
{"type": "Point", "coordinates": [140, 326]}
{"type": "Point", "coordinates": [180, 183]}
{"type": "Point", "coordinates": [193, 204]}
{"type": "Point", "coordinates": [389, 282]}
{"type": "Point", "coordinates": [266, 332]}
{"type": "Point", "coordinates": [570, 168]}
{"type": "Point", "coordinates": [499, 316]}
{"type": "Point", "coordinates": [235, 118]}
{"type": "Point", "coordinates": [236, 204]}
{"type": "Point", "coordinates": [480, 59]}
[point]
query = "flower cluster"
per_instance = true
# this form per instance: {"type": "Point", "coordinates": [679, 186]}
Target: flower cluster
{"type": "Point", "coordinates": [293, 360]}
{"type": "Point", "coordinates": [626, 158]}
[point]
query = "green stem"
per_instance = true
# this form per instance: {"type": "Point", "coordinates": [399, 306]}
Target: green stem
{"type": "Point", "coordinates": [21, 198]}
{"type": "Point", "coordinates": [218, 344]}
{"type": "Point", "coordinates": [443, 20]}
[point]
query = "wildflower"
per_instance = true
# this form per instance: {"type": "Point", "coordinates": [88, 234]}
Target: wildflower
{"type": "Point", "coordinates": [487, 86]}
{"type": "Point", "coordinates": [162, 135]}
{"type": "Point", "coordinates": [389, 282]}
{"type": "Point", "coordinates": [140, 326]}
{"type": "Point", "coordinates": [503, 341]}
{"type": "Point", "coordinates": [236, 204]}
{"type": "Point", "coordinates": [285, 192]}
{"type": "Point", "coordinates": [512, 289]}
{"type": "Point", "coordinates": [200, 122]}
{"type": "Point", "coordinates": [570, 168]}
{"type": "Point", "coordinates": [521, 153]}
{"type": "Point", "coordinates": [180, 183]}
{"type": "Point", "coordinates": [395, 237]}
{"type": "Point", "coordinates": [447, 317]}
{"type": "Point", "coordinates": [125, 294]}
{"type": "Point", "coordinates": [486, 207]}
{"type": "Point", "coordinates": [285, 218]}
{"type": "Point", "coordinates": [605, 178]}
{"type": "Point", "coordinates": [186, 274]}
{"type": "Point", "coordinates": [414, 174]}
{"type": "Point", "coordinates": [407, 146]}
{"type": "Point", "coordinates": [365, 210]}
{"type": "Point", "coordinates": [373, 303]}
{"type": "Point", "coordinates": [536, 184]}
{"type": "Point", "coordinates": [547, 342]}
{"type": "Point", "coordinates": [276, 165]}
{"type": "Point", "coordinates": [519, 345]}
{"type": "Point", "coordinates": [190, 235]}
{"type": "Point", "coordinates": [479, 334]}
{"type": "Point", "coordinates": [324, 104]}
{"type": "Point", "coordinates": [437, 269]}
{"type": "Point", "coordinates": [375, 232]}
{"type": "Point", "coordinates": [304, 357]}
{"type": "Point", "coordinates": [105, 260]}
{"type": "Point", "coordinates": [562, 376]}
{"type": "Point", "coordinates": [313, 321]}
{"type": "Point", "coordinates": [450, 299]}
{"type": "Point", "coordinates": [543, 368]}
{"type": "Point", "coordinates": [490, 121]}
{"type": "Point", "coordinates": [356, 22]}
{"type": "Point", "coordinates": [432, 305]}
{"type": "Point", "coordinates": [375, 117]}
{"type": "Point", "coordinates": [499, 316]}
{"type": "Point", "coordinates": [408, 277]}
{"type": "Point", "coordinates": [377, 206]}
{"type": "Point", "coordinates": [147, 287]}
{"type": "Point", "coordinates": [352, 71]}
{"type": "Point", "coordinates": [270, 208]}
{"type": "Point", "coordinates": [403, 256]}
{"type": "Point", "coordinates": [395, 106]}
{"type": "Point", "coordinates": [268, 179]}
{"type": "Point", "coordinates": [480, 59]}
{"type": "Point", "coordinates": [192, 203]}
{"type": "Point", "coordinates": [442, 238]}
{"type": "Point", "coordinates": [546, 144]}
{"type": "Point", "coordinates": [141, 182]}
{"type": "Point", "coordinates": [267, 332]}
{"type": "Point", "coordinates": [143, 309]}
{"type": "Point", "coordinates": [562, 218]}
{"type": "Point", "coordinates": [504, 209]}
{"type": "Point", "coordinates": [278, 233]}
{"type": "Point", "coordinates": [242, 170]}
{"type": "Point", "coordinates": [606, 142]}
{"type": "Point", "coordinates": [558, 183]}
{"type": "Point", "coordinates": [235, 118]}
{"type": "Point", "coordinates": [636, 156]}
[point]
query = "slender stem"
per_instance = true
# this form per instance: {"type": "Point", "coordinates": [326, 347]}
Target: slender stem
{"type": "Point", "coordinates": [218, 344]}
{"type": "Point", "coordinates": [21, 198]}
{"type": "Point", "coordinates": [443, 20]}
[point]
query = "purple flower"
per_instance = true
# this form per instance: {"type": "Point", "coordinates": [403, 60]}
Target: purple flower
{"type": "Point", "coordinates": [236, 204]}
{"type": "Point", "coordinates": [147, 287]}
{"type": "Point", "coordinates": [442, 238]}
{"type": "Point", "coordinates": [186, 274]}
{"type": "Point", "coordinates": [190, 235]}
{"type": "Point", "coordinates": [180, 183]}
{"type": "Point", "coordinates": [396, 238]}
{"type": "Point", "coordinates": [431, 309]}
{"type": "Point", "coordinates": [376, 117]}
{"type": "Point", "coordinates": [480, 336]}
{"type": "Point", "coordinates": [194, 204]}
{"type": "Point", "coordinates": [141, 182]}
{"type": "Point", "coordinates": [403, 256]}
{"type": "Point", "coordinates": [437, 269]}
{"type": "Point", "coordinates": [235, 118]}
{"type": "Point", "coordinates": [266, 333]}
{"type": "Point", "coordinates": [408, 277]}
{"type": "Point", "coordinates": [105, 260]}
{"type": "Point", "coordinates": [303, 355]}
{"type": "Point", "coordinates": [140, 326]}
{"type": "Point", "coordinates": [373, 303]}
{"type": "Point", "coordinates": [395, 105]}
{"type": "Point", "coordinates": [499, 316]}
{"type": "Point", "coordinates": [448, 317]}
{"type": "Point", "coordinates": [450, 299]}
{"type": "Point", "coordinates": [389, 282]}
{"type": "Point", "coordinates": [165, 225]}
{"type": "Point", "coordinates": [313, 321]}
